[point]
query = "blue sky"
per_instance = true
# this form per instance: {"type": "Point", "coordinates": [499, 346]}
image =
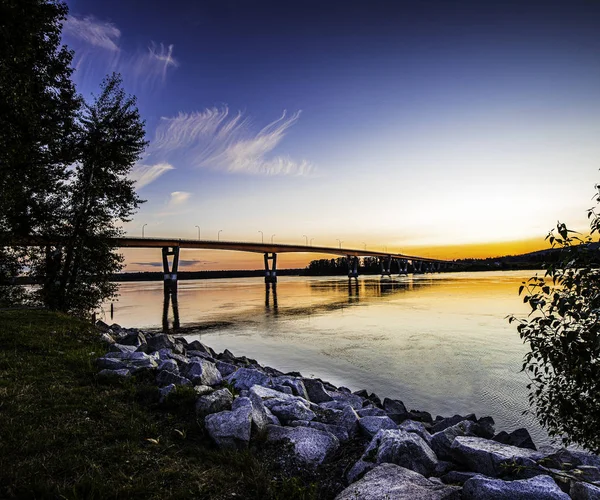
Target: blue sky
{"type": "Point", "coordinates": [444, 127]}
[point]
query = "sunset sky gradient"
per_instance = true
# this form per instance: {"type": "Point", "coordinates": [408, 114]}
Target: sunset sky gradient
{"type": "Point", "coordinates": [445, 129]}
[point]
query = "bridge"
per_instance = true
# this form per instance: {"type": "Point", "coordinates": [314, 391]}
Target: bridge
{"type": "Point", "coordinates": [171, 248]}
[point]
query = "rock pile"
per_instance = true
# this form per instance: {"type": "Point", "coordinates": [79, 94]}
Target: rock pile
{"type": "Point", "coordinates": [410, 455]}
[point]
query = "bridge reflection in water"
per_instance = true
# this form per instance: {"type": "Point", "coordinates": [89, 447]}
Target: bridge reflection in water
{"type": "Point", "coordinates": [352, 289]}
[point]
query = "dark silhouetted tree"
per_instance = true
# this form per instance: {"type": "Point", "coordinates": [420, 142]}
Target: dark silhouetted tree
{"type": "Point", "coordinates": [563, 333]}
{"type": "Point", "coordinates": [38, 105]}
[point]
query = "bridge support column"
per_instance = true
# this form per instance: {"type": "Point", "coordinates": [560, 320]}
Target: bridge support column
{"type": "Point", "coordinates": [417, 266]}
{"type": "Point", "coordinates": [170, 274]}
{"type": "Point", "coordinates": [402, 266]}
{"type": "Point", "coordinates": [352, 267]}
{"type": "Point", "coordinates": [270, 274]}
{"type": "Point", "coordinates": [386, 266]}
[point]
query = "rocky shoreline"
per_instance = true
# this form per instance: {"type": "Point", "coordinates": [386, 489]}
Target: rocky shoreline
{"type": "Point", "coordinates": [406, 454]}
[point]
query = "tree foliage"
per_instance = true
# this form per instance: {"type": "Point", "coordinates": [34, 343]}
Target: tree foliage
{"type": "Point", "coordinates": [563, 333]}
{"type": "Point", "coordinates": [64, 164]}
{"type": "Point", "coordinates": [38, 106]}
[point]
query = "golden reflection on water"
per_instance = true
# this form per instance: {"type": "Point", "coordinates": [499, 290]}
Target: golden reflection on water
{"type": "Point", "coordinates": [439, 342]}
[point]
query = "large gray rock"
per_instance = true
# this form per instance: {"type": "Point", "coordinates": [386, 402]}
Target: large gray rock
{"type": "Point", "coordinates": [121, 348]}
{"type": "Point", "coordinates": [292, 410]}
{"type": "Point", "coordinates": [271, 397]}
{"type": "Point", "coordinates": [395, 410]}
{"type": "Point", "coordinates": [416, 428]}
{"type": "Point", "coordinates": [170, 365]}
{"type": "Point", "coordinates": [114, 374]}
{"type": "Point", "coordinates": [518, 437]}
{"type": "Point", "coordinates": [110, 364]}
{"type": "Point", "coordinates": [160, 341]}
{"type": "Point", "coordinates": [260, 417]}
{"type": "Point", "coordinates": [134, 338]}
{"type": "Point", "coordinates": [371, 412]}
{"type": "Point", "coordinates": [296, 384]}
{"type": "Point", "coordinates": [393, 482]}
{"type": "Point", "coordinates": [440, 425]}
{"type": "Point", "coordinates": [231, 429]}
{"type": "Point", "coordinates": [166, 377]}
{"type": "Point", "coordinates": [441, 442]}
{"type": "Point", "coordinates": [214, 402]}
{"type": "Point", "coordinates": [372, 425]}
{"type": "Point", "coordinates": [225, 369]}
{"type": "Point", "coordinates": [202, 372]}
{"type": "Point", "coordinates": [312, 446]}
{"type": "Point", "coordinates": [349, 420]}
{"type": "Point", "coordinates": [315, 390]}
{"type": "Point", "coordinates": [198, 346]}
{"type": "Point", "coordinates": [164, 392]}
{"type": "Point", "coordinates": [348, 398]}
{"type": "Point", "coordinates": [584, 491]}
{"type": "Point", "coordinates": [490, 458]}
{"type": "Point", "coordinates": [245, 378]}
{"type": "Point", "coordinates": [406, 449]}
{"type": "Point", "coordinates": [337, 430]}
{"type": "Point", "coordinates": [539, 487]}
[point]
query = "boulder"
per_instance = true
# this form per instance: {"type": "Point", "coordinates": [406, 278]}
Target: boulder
{"type": "Point", "coordinates": [165, 391]}
{"type": "Point", "coordinates": [441, 442]}
{"type": "Point", "coordinates": [203, 390]}
{"type": "Point", "coordinates": [457, 477]}
{"type": "Point", "coordinates": [166, 377]}
{"type": "Point", "coordinates": [196, 345]}
{"type": "Point", "coordinates": [283, 388]}
{"type": "Point", "coordinates": [406, 449]}
{"type": "Point", "coordinates": [295, 384]}
{"type": "Point", "coordinates": [485, 428]}
{"type": "Point", "coordinates": [311, 446]}
{"type": "Point", "coordinates": [121, 348]}
{"type": "Point", "coordinates": [395, 410]}
{"type": "Point", "coordinates": [584, 491]}
{"type": "Point", "coordinates": [315, 391]}
{"type": "Point", "coordinates": [260, 417]}
{"type": "Point", "coordinates": [450, 421]}
{"type": "Point", "coordinates": [170, 365]}
{"type": "Point", "coordinates": [539, 487]}
{"type": "Point", "coordinates": [214, 402]}
{"type": "Point", "coordinates": [202, 372]}
{"type": "Point", "coordinates": [372, 425]}
{"type": "Point", "coordinates": [292, 410]}
{"type": "Point", "coordinates": [245, 378]}
{"type": "Point", "coordinates": [225, 369]}
{"type": "Point", "coordinates": [490, 458]}
{"type": "Point", "coordinates": [420, 416]}
{"type": "Point", "coordinates": [335, 405]}
{"type": "Point", "coordinates": [135, 339]}
{"type": "Point", "coordinates": [337, 430]}
{"type": "Point", "coordinates": [371, 412]}
{"type": "Point", "coordinates": [114, 374]}
{"type": "Point", "coordinates": [416, 428]}
{"type": "Point", "coordinates": [160, 341]}
{"type": "Point", "coordinates": [393, 482]}
{"type": "Point", "coordinates": [349, 419]}
{"type": "Point", "coordinates": [518, 437]}
{"type": "Point", "coordinates": [348, 398]}
{"type": "Point", "coordinates": [107, 338]}
{"type": "Point", "coordinates": [231, 429]}
{"type": "Point", "coordinates": [110, 364]}
{"type": "Point", "coordinates": [271, 397]}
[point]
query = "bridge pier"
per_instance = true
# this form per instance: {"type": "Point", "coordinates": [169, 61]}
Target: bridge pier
{"type": "Point", "coordinates": [402, 266]}
{"type": "Point", "coordinates": [170, 275]}
{"type": "Point", "coordinates": [386, 266]}
{"type": "Point", "coordinates": [270, 274]}
{"type": "Point", "coordinates": [417, 266]}
{"type": "Point", "coordinates": [352, 267]}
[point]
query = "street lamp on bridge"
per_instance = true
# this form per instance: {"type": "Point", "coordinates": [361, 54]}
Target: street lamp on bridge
{"type": "Point", "coordinates": [340, 242]}
{"type": "Point", "coordinates": [306, 239]}
{"type": "Point", "coordinates": [219, 235]}
{"type": "Point", "coordinates": [365, 245]}
{"type": "Point", "coordinates": [262, 236]}
{"type": "Point", "coordinates": [143, 229]}
{"type": "Point", "coordinates": [198, 231]}
{"type": "Point", "coordinates": [311, 241]}
{"type": "Point", "coordinates": [272, 238]}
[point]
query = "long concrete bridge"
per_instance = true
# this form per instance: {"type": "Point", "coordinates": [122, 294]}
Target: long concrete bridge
{"type": "Point", "coordinates": [171, 248]}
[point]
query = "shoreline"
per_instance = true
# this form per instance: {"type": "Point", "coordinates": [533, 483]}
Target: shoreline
{"type": "Point", "coordinates": [242, 402]}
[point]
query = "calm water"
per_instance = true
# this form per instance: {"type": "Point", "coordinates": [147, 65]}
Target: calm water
{"type": "Point", "coordinates": [439, 342]}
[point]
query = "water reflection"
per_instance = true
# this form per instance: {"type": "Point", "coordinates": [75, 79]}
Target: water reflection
{"type": "Point", "coordinates": [170, 296]}
{"type": "Point", "coordinates": [268, 288]}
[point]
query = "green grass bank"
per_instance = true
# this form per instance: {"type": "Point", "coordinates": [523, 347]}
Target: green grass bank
{"type": "Point", "coordinates": [66, 434]}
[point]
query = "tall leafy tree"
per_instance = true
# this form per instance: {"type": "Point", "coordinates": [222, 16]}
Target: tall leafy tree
{"type": "Point", "coordinates": [38, 106]}
{"type": "Point", "coordinates": [100, 197]}
{"type": "Point", "coordinates": [563, 334]}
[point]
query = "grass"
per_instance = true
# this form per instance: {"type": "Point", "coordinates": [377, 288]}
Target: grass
{"type": "Point", "coordinates": [66, 434]}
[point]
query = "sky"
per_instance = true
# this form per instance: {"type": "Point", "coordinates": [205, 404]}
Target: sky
{"type": "Point", "coordinates": [445, 129]}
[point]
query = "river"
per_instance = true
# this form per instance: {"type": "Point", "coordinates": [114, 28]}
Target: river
{"type": "Point", "coordinates": [439, 342]}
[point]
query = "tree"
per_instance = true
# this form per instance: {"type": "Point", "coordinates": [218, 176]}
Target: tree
{"type": "Point", "coordinates": [99, 198]}
{"type": "Point", "coordinates": [38, 105]}
{"type": "Point", "coordinates": [563, 333]}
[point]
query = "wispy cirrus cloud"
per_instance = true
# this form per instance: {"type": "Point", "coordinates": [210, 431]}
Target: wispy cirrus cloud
{"type": "Point", "coordinates": [216, 139]}
{"type": "Point", "coordinates": [94, 32]}
{"type": "Point", "coordinates": [98, 50]}
{"type": "Point", "coordinates": [143, 175]}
